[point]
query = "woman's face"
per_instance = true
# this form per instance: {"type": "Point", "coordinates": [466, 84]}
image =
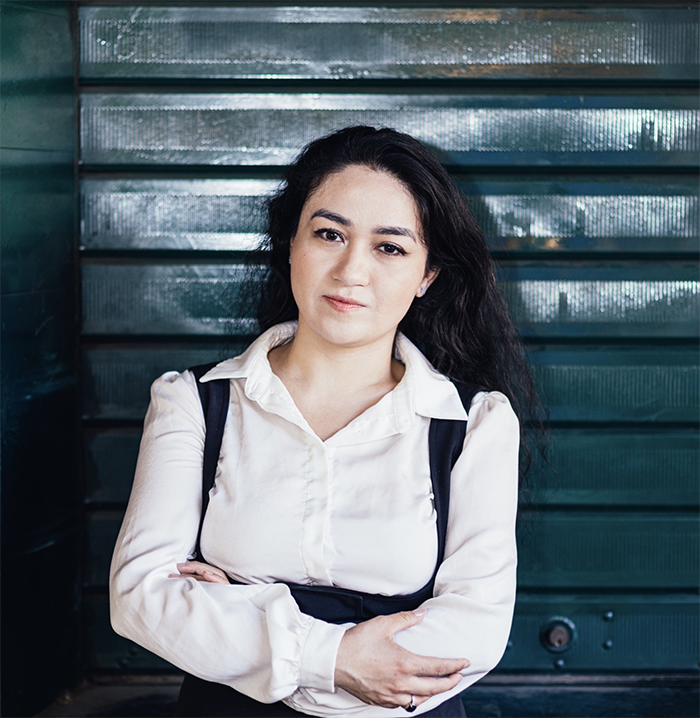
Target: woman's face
{"type": "Point", "coordinates": [357, 258]}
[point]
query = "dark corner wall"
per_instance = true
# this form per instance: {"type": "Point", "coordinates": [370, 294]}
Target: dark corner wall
{"type": "Point", "coordinates": [41, 497]}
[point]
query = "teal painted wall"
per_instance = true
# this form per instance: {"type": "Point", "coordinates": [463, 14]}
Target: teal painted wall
{"type": "Point", "coordinates": [40, 489]}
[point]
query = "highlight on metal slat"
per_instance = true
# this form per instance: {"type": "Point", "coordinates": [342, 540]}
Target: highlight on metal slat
{"type": "Point", "coordinates": [524, 215]}
{"type": "Point", "coordinates": [173, 214]}
{"type": "Point", "coordinates": [117, 380]}
{"type": "Point", "coordinates": [612, 632]}
{"type": "Point", "coordinates": [595, 467]}
{"type": "Point", "coordinates": [618, 467]}
{"type": "Point", "coordinates": [373, 43]}
{"type": "Point", "coordinates": [205, 299]}
{"type": "Point", "coordinates": [576, 549]}
{"type": "Point", "coordinates": [463, 130]}
{"type": "Point", "coordinates": [637, 632]}
{"type": "Point", "coordinates": [170, 299]}
{"type": "Point", "coordinates": [564, 549]}
{"type": "Point", "coordinates": [622, 383]}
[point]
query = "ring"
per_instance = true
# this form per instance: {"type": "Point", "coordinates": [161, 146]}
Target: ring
{"type": "Point", "coordinates": [411, 706]}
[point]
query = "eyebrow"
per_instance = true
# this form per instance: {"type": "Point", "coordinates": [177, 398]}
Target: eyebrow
{"type": "Point", "coordinates": [333, 217]}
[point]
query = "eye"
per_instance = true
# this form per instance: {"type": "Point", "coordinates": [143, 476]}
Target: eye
{"type": "Point", "coordinates": [392, 250]}
{"type": "Point", "coordinates": [330, 235]}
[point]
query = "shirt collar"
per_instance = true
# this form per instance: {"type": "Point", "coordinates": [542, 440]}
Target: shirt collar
{"type": "Point", "coordinates": [422, 390]}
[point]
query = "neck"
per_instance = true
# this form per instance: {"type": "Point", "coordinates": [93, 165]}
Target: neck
{"type": "Point", "coordinates": [310, 362]}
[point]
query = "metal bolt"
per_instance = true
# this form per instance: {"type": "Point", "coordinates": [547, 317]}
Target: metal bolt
{"type": "Point", "coordinates": [607, 645]}
{"type": "Point", "coordinates": [559, 663]}
{"type": "Point", "coordinates": [509, 645]}
{"type": "Point", "coordinates": [133, 651]}
{"type": "Point", "coordinates": [608, 616]}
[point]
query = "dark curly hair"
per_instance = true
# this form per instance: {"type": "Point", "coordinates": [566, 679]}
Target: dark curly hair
{"type": "Point", "coordinates": [461, 324]}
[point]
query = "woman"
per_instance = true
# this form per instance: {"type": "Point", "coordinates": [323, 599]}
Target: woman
{"type": "Point", "coordinates": [325, 477]}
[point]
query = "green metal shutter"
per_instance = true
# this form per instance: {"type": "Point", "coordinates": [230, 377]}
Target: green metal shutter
{"type": "Point", "coordinates": [574, 135]}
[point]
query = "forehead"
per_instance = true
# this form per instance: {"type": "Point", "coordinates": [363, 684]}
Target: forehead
{"type": "Point", "coordinates": [368, 194]}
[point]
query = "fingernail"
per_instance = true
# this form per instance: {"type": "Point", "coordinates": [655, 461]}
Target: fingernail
{"type": "Point", "coordinates": [419, 612]}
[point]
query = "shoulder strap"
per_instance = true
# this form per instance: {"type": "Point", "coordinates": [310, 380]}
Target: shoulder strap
{"type": "Point", "coordinates": [214, 396]}
{"type": "Point", "coordinates": [445, 440]}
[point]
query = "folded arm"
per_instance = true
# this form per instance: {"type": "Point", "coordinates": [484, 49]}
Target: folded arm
{"type": "Point", "coordinates": [251, 637]}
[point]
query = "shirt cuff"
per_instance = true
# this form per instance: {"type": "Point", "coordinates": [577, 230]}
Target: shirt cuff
{"type": "Point", "coordinates": [318, 655]}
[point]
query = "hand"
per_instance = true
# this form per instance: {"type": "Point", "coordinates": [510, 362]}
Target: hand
{"type": "Point", "coordinates": [200, 572]}
{"type": "Point", "coordinates": [375, 669]}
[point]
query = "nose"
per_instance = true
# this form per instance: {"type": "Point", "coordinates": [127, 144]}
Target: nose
{"type": "Point", "coordinates": [352, 267]}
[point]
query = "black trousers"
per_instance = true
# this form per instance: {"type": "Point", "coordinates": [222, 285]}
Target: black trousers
{"type": "Point", "coordinates": [202, 698]}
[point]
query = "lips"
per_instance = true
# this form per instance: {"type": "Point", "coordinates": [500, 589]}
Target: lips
{"type": "Point", "coordinates": [342, 304]}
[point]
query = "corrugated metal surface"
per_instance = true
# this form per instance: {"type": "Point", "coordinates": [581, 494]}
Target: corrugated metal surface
{"type": "Point", "coordinates": [367, 43]}
{"type": "Point", "coordinates": [464, 130]}
{"type": "Point", "coordinates": [586, 191]}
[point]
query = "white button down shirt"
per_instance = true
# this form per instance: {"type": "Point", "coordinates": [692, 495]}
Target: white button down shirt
{"type": "Point", "coordinates": [354, 511]}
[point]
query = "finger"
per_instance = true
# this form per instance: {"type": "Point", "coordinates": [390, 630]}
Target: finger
{"type": "Point", "coordinates": [182, 575]}
{"type": "Point", "coordinates": [402, 620]}
{"type": "Point", "coordinates": [190, 567]}
{"type": "Point", "coordinates": [427, 687]}
{"type": "Point", "coordinates": [214, 577]}
{"type": "Point", "coordinates": [436, 667]}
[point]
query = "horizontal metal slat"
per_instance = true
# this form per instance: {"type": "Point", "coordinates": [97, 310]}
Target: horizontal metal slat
{"type": "Point", "coordinates": [173, 214]}
{"type": "Point", "coordinates": [557, 550]}
{"type": "Point", "coordinates": [205, 299]}
{"type": "Point", "coordinates": [116, 381]}
{"type": "Point", "coordinates": [360, 43]}
{"type": "Point", "coordinates": [612, 633]}
{"type": "Point", "coordinates": [169, 299]}
{"type": "Point", "coordinates": [466, 130]}
{"type": "Point", "coordinates": [529, 215]}
{"type": "Point", "coordinates": [618, 467]}
{"type": "Point", "coordinates": [566, 549]}
{"type": "Point", "coordinates": [597, 383]}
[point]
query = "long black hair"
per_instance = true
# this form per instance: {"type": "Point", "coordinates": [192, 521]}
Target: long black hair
{"type": "Point", "coordinates": [461, 324]}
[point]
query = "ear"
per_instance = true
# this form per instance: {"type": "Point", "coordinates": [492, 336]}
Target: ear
{"type": "Point", "coordinates": [429, 277]}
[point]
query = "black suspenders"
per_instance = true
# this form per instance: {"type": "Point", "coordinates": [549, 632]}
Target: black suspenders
{"type": "Point", "coordinates": [330, 603]}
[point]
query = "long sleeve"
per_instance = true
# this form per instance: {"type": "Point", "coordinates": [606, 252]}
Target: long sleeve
{"type": "Point", "coordinates": [251, 637]}
{"type": "Point", "coordinates": [471, 613]}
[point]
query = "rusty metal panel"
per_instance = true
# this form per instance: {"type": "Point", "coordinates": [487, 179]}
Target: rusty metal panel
{"type": "Point", "coordinates": [337, 43]}
{"type": "Point", "coordinates": [463, 130]}
{"type": "Point", "coordinates": [524, 215]}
